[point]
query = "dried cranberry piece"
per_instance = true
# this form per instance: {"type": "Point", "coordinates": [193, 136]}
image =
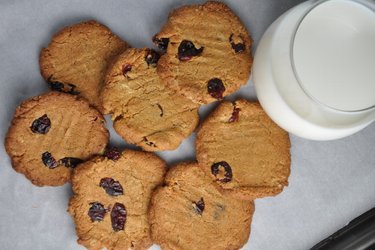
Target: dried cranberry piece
{"type": "Point", "coordinates": [61, 87]}
{"type": "Point", "coordinates": [161, 109]}
{"type": "Point", "coordinates": [215, 88]}
{"type": "Point", "coordinates": [72, 90]}
{"type": "Point", "coordinates": [149, 143]}
{"type": "Point", "coordinates": [187, 50]}
{"type": "Point", "coordinates": [162, 43]}
{"type": "Point", "coordinates": [152, 57]}
{"type": "Point", "coordinates": [111, 186]}
{"type": "Point", "coordinates": [41, 125]}
{"type": "Point", "coordinates": [97, 211]}
{"type": "Point", "coordinates": [199, 206]}
{"type": "Point", "coordinates": [235, 115]}
{"type": "Point", "coordinates": [237, 47]}
{"type": "Point", "coordinates": [70, 162]}
{"type": "Point", "coordinates": [112, 153]}
{"type": "Point", "coordinates": [48, 160]}
{"type": "Point", "coordinates": [215, 169]}
{"type": "Point", "coordinates": [118, 217]}
{"type": "Point", "coordinates": [58, 86]}
{"type": "Point", "coordinates": [126, 68]}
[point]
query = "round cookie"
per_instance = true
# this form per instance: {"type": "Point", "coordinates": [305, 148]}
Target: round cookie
{"type": "Point", "coordinates": [76, 59]}
{"type": "Point", "coordinates": [52, 133]}
{"type": "Point", "coordinates": [111, 200]}
{"type": "Point", "coordinates": [144, 111]}
{"type": "Point", "coordinates": [244, 151]}
{"type": "Point", "coordinates": [190, 213]}
{"type": "Point", "coordinates": [208, 52]}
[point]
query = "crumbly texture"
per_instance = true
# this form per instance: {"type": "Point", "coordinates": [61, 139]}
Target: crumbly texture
{"type": "Point", "coordinates": [212, 26]}
{"type": "Point", "coordinates": [256, 149]}
{"type": "Point", "coordinates": [179, 222]}
{"type": "Point", "coordinates": [79, 55]}
{"type": "Point", "coordinates": [144, 111]}
{"type": "Point", "coordinates": [138, 173]}
{"type": "Point", "coordinates": [77, 130]}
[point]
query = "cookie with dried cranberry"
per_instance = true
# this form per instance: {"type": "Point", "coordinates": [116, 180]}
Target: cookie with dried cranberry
{"type": "Point", "coordinates": [111, 200]}
{"type": "Point", "coordinates": [243, 151]}
{"type": "Point", "coordinates": [51, 134]}
{"type": "Point", "coordinates": [208, 52]}
{"type": "Point", "coordinates": [144, 111]}
{"type": "Point", "coordinates": [76, 59]}
{"type": "Point", "coordinates": [190, 213]}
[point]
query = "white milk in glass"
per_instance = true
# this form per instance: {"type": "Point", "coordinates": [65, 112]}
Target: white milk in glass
{"type": "Point", "coordinates": [334, 55]}
{"type": "Point", "coordinates": [314, 68]}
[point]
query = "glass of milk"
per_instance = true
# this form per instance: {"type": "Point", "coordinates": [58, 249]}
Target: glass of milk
{"type": "Point", "coordinates": [314, 68]}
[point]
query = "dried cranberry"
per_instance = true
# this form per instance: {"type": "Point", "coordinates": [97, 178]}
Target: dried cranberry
{"type": "Point", "coordinates": [152, 57]}
{"type": "Point", "coordinates": [58, 86]}
{"type": "Point", "coordinates": [215, 169]}
{"type": "Point", "coordinates": [237, 47]}
{"type": "Point", "coordinates": [161, 109]}
{"type": "Point", "coordinates": [61, 87]}
{"type": "Point", "coordinates": [41, 125]}
{"type": "Point", "coordinates": [111, 186]}
{"type": "Point", "coordinates": [199, 206]}
{"type": "Point", "coordinates": [118, 217]}
{"type": "Point", "coordinates": [97, 211]}
{"type": "Point", "coordinates": [187, 50]}
{"type": "Point", "coordinates": [72, 90]}
{"type": "Point", "coordinates": [126, 68]}
{"type": "Point", "coordinates": [48, 160]}
{"type": "Point", "coordinates": [162, 43]}
{"type": "Point", "coordinates": [112, 153]}
{"type": "Point", "coordinates": [149, 143]}
{"type": "Point", "coordinates": [215, 88]}
{"type": "Point", "coordinates": [70, 162]}
{"type": "Point", "coordinates": [235, 114]}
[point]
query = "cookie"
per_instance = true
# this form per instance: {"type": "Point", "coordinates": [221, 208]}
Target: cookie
{"type": "Point", "coordinates": [76, 59]}
{"type": "Point", "coordinates": [50, 134]}
{"type": "Point", "coordinates": [245, 153]}
{"type": "Point", "coordinates": [208, 52]}
{"type": "Point", "coordinates": [144, 111]}
{"type": "Point", "coordinates": [190, 213]}
{"type": "Point", "coordinates": [111, 200]}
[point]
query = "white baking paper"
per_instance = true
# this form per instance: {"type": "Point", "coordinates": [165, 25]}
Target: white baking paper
{"type": "Point", "coordinates": [330, 183]}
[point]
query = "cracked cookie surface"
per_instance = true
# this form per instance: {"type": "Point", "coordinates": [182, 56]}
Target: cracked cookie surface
{"type": "Point", "coordinates": [111, 200]}
{"type": "Point", "coordinates": [144, 111]}
{"type": "Point", "coordinates": [245, 153]}
{"type": "Point", "coordinates": [190, 213]}
{"type": "Point", "coordinates": [76, 59]}
{"type": "Point", "coordinates": [208, 52]}
{"type": "Point", "coordinates": [52, 133]}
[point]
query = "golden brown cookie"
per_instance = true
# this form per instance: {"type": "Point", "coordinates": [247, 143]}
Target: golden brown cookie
{"type": "Point", "coordinates": [76, 59]}
{"type": "Point", "coordinates": [208, 52]}
{"type": "Point", "coordinates": [190, 213]}
{"type": "Point", "coordinates": [111, 200]}
{"type": "Point", "coordinates": [144, 111]}
{"type": "Point", "coordinates": [52, 133]}
{"type": "Point", "coordinates": [244, 151]}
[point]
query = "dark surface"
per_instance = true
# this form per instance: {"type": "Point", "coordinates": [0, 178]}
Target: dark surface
{"type": "Point", "coordinates": [358, 234]}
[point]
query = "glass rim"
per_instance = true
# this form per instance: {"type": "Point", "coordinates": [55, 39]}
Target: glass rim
{"type": "Point", "coordinates": [307, 12]}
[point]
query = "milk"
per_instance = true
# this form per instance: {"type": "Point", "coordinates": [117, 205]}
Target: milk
{"type": "Point", "coordinates": [314, 68]}
{"type": "Point", "coordinates": [334, 55]}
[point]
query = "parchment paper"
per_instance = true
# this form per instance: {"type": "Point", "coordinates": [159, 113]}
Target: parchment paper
{"type": "Point", "coordinates": [330, 183]}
